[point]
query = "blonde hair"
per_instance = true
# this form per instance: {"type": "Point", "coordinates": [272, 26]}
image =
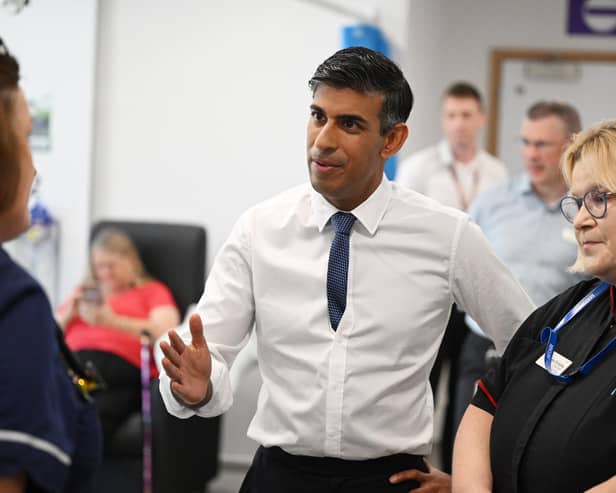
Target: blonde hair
{"type": "Point", "coordinates": [596, 146]}
{"type": "Point", "coordinates": [116, 241]}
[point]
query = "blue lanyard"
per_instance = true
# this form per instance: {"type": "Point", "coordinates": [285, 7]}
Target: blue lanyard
{"type": "Point", "coordinates": [550, 337]}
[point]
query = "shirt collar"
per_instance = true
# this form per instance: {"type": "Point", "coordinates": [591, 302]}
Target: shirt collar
{"type": "Point", "coordinates": [369, 213]}
{"type": "Point", "coordinates": [523, 186]}
{"type": "Point", "coordinates": [444, 153]}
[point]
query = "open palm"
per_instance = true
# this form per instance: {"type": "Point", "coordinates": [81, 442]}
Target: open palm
{"type": "Point", "coordinates": [188, 365]}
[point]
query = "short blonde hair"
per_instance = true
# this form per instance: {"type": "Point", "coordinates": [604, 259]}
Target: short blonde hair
{"type": "Point", "coordinates": [116, 241]}
{"type": "Point", "coordinates": [596, 146]}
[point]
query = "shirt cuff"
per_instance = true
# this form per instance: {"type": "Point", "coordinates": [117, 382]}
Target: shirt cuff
{"type": "Point", "coordinates": [222, 396]}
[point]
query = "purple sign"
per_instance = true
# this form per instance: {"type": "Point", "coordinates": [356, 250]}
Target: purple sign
{"type": "Point", "coordinates": [593, 17]}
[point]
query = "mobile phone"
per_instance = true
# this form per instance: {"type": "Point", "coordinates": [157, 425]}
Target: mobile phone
{"type": "Point", "coordinates": [91, 294]}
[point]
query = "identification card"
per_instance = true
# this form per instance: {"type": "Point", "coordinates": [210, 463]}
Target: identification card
{"type": "Point", "coordinates": [559, 363]}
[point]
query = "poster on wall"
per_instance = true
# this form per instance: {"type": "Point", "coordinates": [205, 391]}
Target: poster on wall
{"type": "Point", "coordinates": [592, 17]}
{"type": "Point", "coordinates": [40, 109]}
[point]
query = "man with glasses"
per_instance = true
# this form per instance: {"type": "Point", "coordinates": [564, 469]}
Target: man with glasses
{"type": "Point", "coordinates": [527, 231]}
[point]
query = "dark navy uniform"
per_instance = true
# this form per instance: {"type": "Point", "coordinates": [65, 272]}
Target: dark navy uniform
{"type": "Point", "coordinates": [47, 429]}
{"type": "Point", "coordinates": [548, 435]}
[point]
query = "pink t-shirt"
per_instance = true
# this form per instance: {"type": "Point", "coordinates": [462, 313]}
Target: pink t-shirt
{"type": "Point", "coordinates": [136, 303]}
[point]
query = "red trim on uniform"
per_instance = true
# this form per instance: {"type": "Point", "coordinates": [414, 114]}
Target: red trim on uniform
{"type": "Point", "coordinates": [485, 390]}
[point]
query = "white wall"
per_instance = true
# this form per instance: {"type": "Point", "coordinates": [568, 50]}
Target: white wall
{"type": "Point", "coordinates": [202, 107]}
{"type": "Point", "coordinates": [451, 40]}
{"type": "Point", "coordinates": [55, 43]}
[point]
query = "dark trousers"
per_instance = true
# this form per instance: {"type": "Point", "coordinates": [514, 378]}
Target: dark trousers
{"type": "Point", "coordinates": [121, 398]}
{"type": "Point", "coordinates": [450, 349]}
{"type": "Point", "coordinates": [275, 471]}
{"type": "Point", "coordinates": [474, 363]}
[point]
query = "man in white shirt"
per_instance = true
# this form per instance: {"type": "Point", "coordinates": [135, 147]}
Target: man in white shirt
{"type": "Point", "coordinates": [348, 322]}
{"type": "Point", "coordinates": [456, 169]}
{"type": "Point", "coordinates": [453, 172]}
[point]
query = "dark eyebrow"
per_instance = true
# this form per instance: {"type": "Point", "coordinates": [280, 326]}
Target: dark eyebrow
{"type": "Point", "coordinates": [349, 117]}
{"type": "Point", "coordinates": [352, 118]}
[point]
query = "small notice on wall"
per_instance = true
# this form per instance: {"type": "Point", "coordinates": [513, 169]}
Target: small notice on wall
{"type": "Point", "coordinates": [592, 17]}
{"type": "Point", "coordinates": [40, 108]}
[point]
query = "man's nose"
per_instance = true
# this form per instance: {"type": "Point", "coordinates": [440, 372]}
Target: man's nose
{"type": "Point", "coordinates": [326, 137]}
{"type": "Point", "coordinates": [530, 152]}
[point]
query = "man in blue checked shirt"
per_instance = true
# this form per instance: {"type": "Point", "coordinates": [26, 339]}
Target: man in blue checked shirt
{"type": "Point", "coordinates": [523, 223]}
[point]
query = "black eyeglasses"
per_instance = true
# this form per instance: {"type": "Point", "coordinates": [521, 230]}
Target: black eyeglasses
{"type": "Point", "coordinates": [594, 201]}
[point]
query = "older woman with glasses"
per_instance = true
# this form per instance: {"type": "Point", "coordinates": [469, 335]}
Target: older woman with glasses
{"type": "Point", "coordinates": [545, 418]}
{"type": "Point", "coordinates": [49, 432]}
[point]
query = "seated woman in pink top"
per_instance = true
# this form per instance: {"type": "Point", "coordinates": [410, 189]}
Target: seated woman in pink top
{"type": "Point", "coordinates": [104, 318]}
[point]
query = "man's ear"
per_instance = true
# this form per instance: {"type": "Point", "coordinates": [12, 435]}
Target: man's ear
{"type": "Point", "coordinates": [394, 140]}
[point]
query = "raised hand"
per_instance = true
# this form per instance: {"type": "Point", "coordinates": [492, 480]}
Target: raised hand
{"type": "Point", "coordinates": [189, 366]}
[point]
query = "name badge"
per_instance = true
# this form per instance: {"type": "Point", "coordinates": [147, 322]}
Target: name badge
{"type": "Point", "coordinates": [559, 363]}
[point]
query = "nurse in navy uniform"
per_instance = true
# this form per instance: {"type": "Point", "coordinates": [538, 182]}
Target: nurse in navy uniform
{"type": "Point", "coordinates": [50, 437]}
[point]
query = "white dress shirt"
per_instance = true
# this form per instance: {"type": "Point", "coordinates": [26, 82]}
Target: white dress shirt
{"type": "Point", "coordinates": [429, 172]}
{"type": "Point", "coordinates": [361, 391]}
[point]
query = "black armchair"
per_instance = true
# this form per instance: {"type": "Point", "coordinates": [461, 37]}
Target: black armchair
{"type": "Point", "coordinates": [184, 451]}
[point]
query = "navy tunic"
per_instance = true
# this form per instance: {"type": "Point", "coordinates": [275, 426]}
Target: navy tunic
{"type": "Point", "coordinates": [47, 429]}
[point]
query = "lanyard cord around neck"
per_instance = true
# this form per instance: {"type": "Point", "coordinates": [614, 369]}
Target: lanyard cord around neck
{"type": "Point", "coordinates": [550, 336]}
{"type": "Point", "coordinates": [465, 201]}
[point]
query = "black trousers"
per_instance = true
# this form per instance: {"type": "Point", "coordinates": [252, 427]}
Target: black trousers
{"type": "Point", "coordinates": [122, 397]}
{"type": "Point", "coordinates": [474, 363]}
{"type": "Point", "coordinates": [451, 346]}
{"type": "Point", "coordinates": [275, 471]}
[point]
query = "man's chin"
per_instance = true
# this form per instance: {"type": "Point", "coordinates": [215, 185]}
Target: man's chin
{"type": "Point", "coordinates": [318, 185]}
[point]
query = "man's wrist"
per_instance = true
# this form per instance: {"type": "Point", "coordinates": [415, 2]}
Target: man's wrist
{"type": "Point", "coordinates": [197, 405]}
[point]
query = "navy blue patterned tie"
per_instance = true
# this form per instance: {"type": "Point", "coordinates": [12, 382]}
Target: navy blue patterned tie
{"type": "Point", "coordinates": [338, 267]}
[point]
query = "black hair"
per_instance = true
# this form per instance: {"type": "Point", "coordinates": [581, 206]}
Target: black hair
{"type": "Point", "coordinates": [365, 70]}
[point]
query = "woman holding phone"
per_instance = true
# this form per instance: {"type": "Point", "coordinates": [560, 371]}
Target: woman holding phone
{"type": "Point", "coordinates": [104, 318]}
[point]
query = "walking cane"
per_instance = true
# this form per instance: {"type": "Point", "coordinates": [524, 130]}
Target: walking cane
{"type": "Point", "coordinates": [146, 412]}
